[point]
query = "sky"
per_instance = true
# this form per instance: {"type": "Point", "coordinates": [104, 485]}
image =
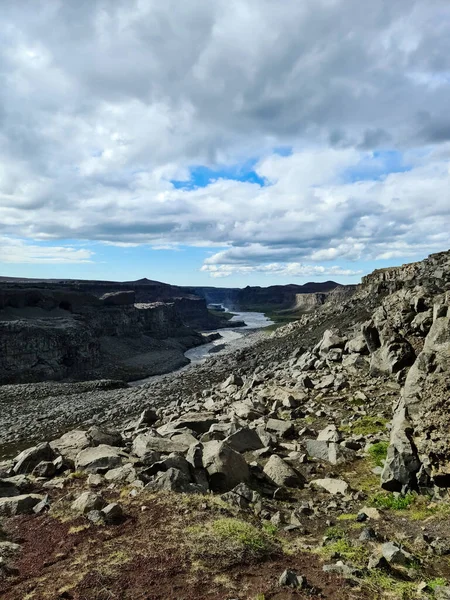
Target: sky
{"type": "Point", "coordinates": [225, 142]}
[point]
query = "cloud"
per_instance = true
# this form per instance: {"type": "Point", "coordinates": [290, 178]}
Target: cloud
{"type": "Point", "coordinates": [103, 105]}
{"type": "Point", "coordinates": [19, 251]}
{"type": "Point", "coordinates": [292, 269]}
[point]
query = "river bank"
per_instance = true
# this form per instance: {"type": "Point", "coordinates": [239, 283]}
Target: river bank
{"type": "Point", "coordinates": [45, 410]}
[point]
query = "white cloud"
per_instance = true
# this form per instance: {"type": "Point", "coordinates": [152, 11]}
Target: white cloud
{"type": "Point", "coordinates": [280, 269]}
{"type": "Point", "coordinates": [20, 251]}
{"type": "Point", "coordinates": [104, 103]}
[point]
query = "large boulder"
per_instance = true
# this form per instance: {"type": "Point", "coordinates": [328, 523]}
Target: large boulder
{"type": "Point", "coordinates": [99, 459]}
{"type": "Point", "coordinates": [27, 460]}
{"type": "Point", "coordinates": [226, 468]}
{"type": "Point", "coordinates": [145, 444]}
{"type": "Point", "coordinates": [71, 443]}
{"type": "Point", "coordinates": [244, 440]}
{"type": "Point", "coordinates": [19, 505]}
{"type": "Point", "coordinates": [282, 474]}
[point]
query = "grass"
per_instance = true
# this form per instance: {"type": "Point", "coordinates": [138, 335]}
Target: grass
{"type": "Point", "coordinates": [392, 501]}
{"type": "Point", "coordinates": [378, 581]}
{"type": "Point", "coordinates": [378, 452]}
{"type": "Point", "coordinates": [335, 533]}
{"type": "Point", "coordinates": [229, 541]}
{"type": "Point", "coordinates": [346, 550]}
{"type": "Point", "coordinates": [365, 426]}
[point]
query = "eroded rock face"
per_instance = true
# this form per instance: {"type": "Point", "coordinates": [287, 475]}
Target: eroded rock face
{"type": "Point", "coordinates": [420, 441]}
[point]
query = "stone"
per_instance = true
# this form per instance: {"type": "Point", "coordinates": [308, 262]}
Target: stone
{"type": "Point", "coordinates": [101, 436]}
{"type": "Point", "coordinates": [332, 486]}
{"type": "Point", "coordinates": [279, 427]}
{"type": "Point", "coordinates": [144, 444]}
{"type": "Point", "coordinates": [44, 469]}
{"type": "Point", "coordinates": [394, 555]}
{"type": "Point", "coordinates": [148, 417]}
{"type": "Point", "coordinates": [113, 513]}
{"type": "Point", "coordinates": [331, 339]}
{"type": "Point", "coordinates": [290, 579]}
{"type": "Point", "coordinates": [244, 440]}
{"type": "Point", "coordinates": [123, 474]}
{"type": "Point", "coordinates": [99, 459]}
{"type": "Point", "coordinates": [71, 443]}
{"type": "Point", "coordinates": [198, 422]}
{"type": "Point", "coordinates": [357, 345]}
{"type": "Point", "coordinates": [282, 474]}
{"type": "Point", "coordinates": [246, 411]}
{"type": "Point", "coordinates": [441, 592]}
{"type": "Point", "coordinates": [27, 460]}
{"type": "Point", "coordinates": [329, 434]}
{"type": "Point", "coordinates": [19, 505]}
{"type": "Point", "coordinates": [241, 497]}
{"type": "Point", "coordinates": [226, 468]}
{"type": "Point", "coordinates": [86, 502]}
{"type": "Point", "coordinates": [233, 379]}
{"type": "Point", "coordinates": [173, 480]}
{"type": "Point", "coordinates": [8, 488]}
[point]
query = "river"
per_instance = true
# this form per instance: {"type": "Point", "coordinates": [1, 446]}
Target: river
{"type": "Point", "coordinates": [229, 337]}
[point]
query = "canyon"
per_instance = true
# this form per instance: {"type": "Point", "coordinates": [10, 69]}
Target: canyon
{"type": "Point", "coordinates": [312, 462]}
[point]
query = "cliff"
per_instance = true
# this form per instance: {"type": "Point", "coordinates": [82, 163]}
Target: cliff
{"type": "Point", "coordinates": [55, 334]}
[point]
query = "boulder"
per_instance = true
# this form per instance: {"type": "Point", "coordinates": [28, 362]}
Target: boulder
{"type": "Point", "coordinates": [173, 480]}
{"type": "Point", "coordinates": [145, 444]}
{"type": "Point", "coordinates": [19, 505]}
{"type": "Point", "coordinates": [71, 443]}
{"type": "Point", "coordinates": [244, 440]}
{"type": "Point", "coordinates": [86, 502]}
{"type": "Point", "coordinates": [198, 422]}
{"type": "Point", "coordinates": [282, 474]}
{"type": "Point", "coordinates": [124, 474]}
{"type": "Point", "coordinates": [226, 468]}
{"type": "Point", "coordinates": [280, 428]}
{"type": "Point", "coordinates": [112, 513]}
{"type": "Point", "coordinates": [332, 486]}
{"type": "Point", "coordinates": [330, 339]}
{"type": "Point", "coordinates": [109, 437]}
{"type": "Point", "coordinates": [27, 460]}
{"type": "Point", "coordinates": [99, 459]}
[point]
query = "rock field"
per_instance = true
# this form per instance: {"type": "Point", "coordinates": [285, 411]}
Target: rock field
{"type": "Point", "coordinates": [314, 463]}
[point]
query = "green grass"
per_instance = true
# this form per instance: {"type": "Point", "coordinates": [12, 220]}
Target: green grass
{"type": "Point", "coordinates": [347, 551]}
{"type": "Point", "coordinates": [378, 581]}
{"type": "Point", "coordinates": [365, 426]}
{"type": "Point", "coordinates": [378, 452]}
{"type": "Point", "coordinates": [335, 533]}
{"type": "Point", "coordinates": [392, 502]}
{"type": "Point", "coordinates": [227, 541]}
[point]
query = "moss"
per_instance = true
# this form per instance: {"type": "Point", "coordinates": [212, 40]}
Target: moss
{"type": "Point", "coordinates": [78, 475]}
{"type": "Point", "coordinates": [230, 541]}
{"type": "Point", "coordinates": [378, 452]}
{"type": "Point", "coordinates": [347, 517]}
{"type": "Point", "coordinates": [365, 426]}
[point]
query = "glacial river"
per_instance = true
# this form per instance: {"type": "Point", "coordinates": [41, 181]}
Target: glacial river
{"type": "Point", "coordinates": [229, 337]}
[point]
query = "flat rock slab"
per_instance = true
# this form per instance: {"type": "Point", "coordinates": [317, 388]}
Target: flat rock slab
{"type": "Point", "coordinates": [19, 505]}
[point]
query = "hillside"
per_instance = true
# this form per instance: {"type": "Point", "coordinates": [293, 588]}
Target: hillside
{"type": "Point", "coordinates": [314, 463]}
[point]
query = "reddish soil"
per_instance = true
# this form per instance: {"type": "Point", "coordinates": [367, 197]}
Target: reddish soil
{"type": "Point", "coordinates": [146, 558]}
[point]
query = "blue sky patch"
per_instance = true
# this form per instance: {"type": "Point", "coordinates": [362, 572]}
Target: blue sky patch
{"type": "Point", "coordinates": [376, 166]}
{"type": "Point", "coordinates": [201, 176]}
